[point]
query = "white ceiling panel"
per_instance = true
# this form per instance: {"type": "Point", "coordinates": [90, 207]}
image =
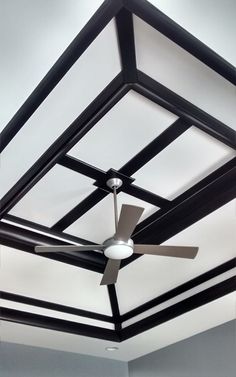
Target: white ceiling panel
{"type": "Point", "coordinates": [49, 280]}
{"type": "Point", "coordinates": [196, 321]}
{"type": "Point", "coordinates": [181, 72]}
{"type": "Point", "coordinates": [32, 37]}
{"type": "Point", "coordinates": [187, 160]}
{"type": "Point", "coordinates": [59, 191]}
{"type": "Point", "coordinates": [151, 276]}
{"type": "Point", "coordinates": [98, 224]}
{"type": "Point", "coordinates": [70, 97]}
{"type": "Point", "coordinates": [211, 21]}
{"type": "Point", "coordinates": [123, 132]}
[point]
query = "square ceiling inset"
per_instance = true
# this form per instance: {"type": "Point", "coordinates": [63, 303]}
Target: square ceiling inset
{"type": "Point", "coordinates": [53, 196]}
{"type": "Point", "coordinates": [123, 132]}
{"type": "Point", "coordinates": [187, 160]}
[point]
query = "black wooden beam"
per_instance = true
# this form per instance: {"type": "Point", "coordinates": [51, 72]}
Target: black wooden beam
{"type": "Point", "coordinates": [171, 101]}
{"type": "Point", "coordinates": [37, 320]}
{"type": "Point", "coordinates": [180, 289]}
{"type": "Point", "coordinates": [54, 306]}
{"type": "Point", "coordinates": [125, 32]}
{"type": "Point", "coordinates": [85, 121]}
{"type": "Point", "coordinates": [191, 303]}
{"type": "Point", "coordinates": [35, 227]}
{"type": "Point", "coordinates": [26, 240]}
{"type": "Point", "coordinates": [146, 196]}
{"type": "Point", "coordinates": [82, 167]}
{"type": "Point", "coordinates": [81, 42]}
{"type": "Point", "coordinates": [114, 307]}
{"type": "Point", "coordinates": [80, 209]}
{"type": "Point", "coordinates": [203, 198]}
{"type": "Point", "coordinates": [155, 147]}
{"type": "Point", "coordinates": [180, 216]}
{"type": "Point", "coordinates": [180, 36]}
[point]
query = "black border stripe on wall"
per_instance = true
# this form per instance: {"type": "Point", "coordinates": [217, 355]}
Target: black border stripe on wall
{"type": "Point", "coordinates": [54, 306]}
{"type": "Point", "coordinates": [95, 25]}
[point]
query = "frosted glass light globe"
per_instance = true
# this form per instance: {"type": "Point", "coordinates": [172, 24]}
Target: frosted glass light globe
{"type": "Point", "coordinates": [118, 251]}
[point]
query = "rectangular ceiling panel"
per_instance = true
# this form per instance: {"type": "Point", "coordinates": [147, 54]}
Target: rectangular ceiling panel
{"type": "Point", "coordinates": [69, 98]}
{"type": "Point", "coordinates": [31, 42]}
{"type": "Point", "coordinates": [53, 196]}
{"type": "Point", "coordinates": [123, 132]}
{"type": "Point", "coordinates": [98, 224]}
{"type": "Point", "coordinates": [187, 160]}
{"type": "Point", "coordinates": [181, 72]}
{"type": "Point", "coordinates": [37, 277]}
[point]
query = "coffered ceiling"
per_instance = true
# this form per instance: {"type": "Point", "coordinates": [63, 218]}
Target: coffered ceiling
{"type": "Point", "coordinates": [134, 96]}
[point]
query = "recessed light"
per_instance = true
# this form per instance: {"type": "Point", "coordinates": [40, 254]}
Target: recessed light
{"type": "Point", "coordinates": [111, 349]}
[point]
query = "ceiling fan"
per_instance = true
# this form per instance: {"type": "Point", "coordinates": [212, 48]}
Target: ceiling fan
{"type": "Point", "coordinates": [121, 246]}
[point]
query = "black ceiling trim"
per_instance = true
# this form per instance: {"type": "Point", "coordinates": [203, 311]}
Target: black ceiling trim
{"type": "Point", "coordinates": [155, 147]}
{"type": "Point", "coordinates": [114, 307]}
{"type": "Point", "coordinates": [171, 101]}
{"type": "Point", "coordinates": [204, 297]}
{"type": "Point", "coordinates": [36, 320]}
{"type": "Point", "coordinates": [191, 303]}
{"type": "Point", "coordinates": [95, 25]}
{"type": "Point", "coordinates": [146, 196]}
{"type": "Point", "coordinates": [80, 209]}
{"type": "Point", "coordinates": [42, 228]}
{"type": "Point", "coordinates": [54, 306]}
{"type": "Point", "coordinates": [82, 167]}
{"type": "Point", "coordinates": [125, 32]}
{"type": "Point", "coordinates": [159, 21]}
{"type": "Point", "coordinates": [207, 200]}
{"type": "Point", "coordinates": [26, 240]}
{"type": "Point", "coordinates": [84, 122]}
{"type": "Point", "coordinates": [205, 197]}
{"type": "Point", "coordinates": [180, 289]}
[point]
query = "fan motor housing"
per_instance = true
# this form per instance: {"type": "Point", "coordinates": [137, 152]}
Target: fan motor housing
{"type": "Point", "coordinates": [118, 249]}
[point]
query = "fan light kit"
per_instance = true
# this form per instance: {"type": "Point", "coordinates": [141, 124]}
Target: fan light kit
{"type": "Point", "coordinates": [121, 246]}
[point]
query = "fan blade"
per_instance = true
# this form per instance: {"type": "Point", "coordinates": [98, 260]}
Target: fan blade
{"type": "Point", "coordinates": [189, 252]}
{"type": "Point", "coordinates": [111, 272]}
{"type": "Point", "coordinates": [68, 248]}
{"type": "Point", "coordinates": [129, 217]}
